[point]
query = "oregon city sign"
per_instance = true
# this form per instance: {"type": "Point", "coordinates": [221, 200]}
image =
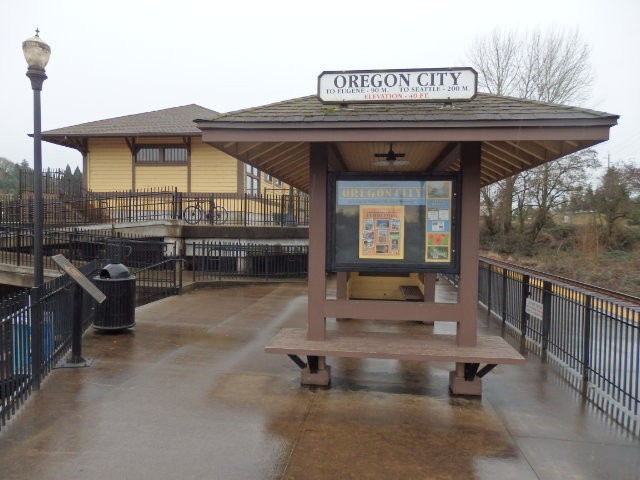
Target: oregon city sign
{"type": "Point", "coordinates": [414, 85]}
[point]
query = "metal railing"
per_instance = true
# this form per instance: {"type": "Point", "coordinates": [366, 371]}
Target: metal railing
{"type": "Point", "coordinates": [128, 207]}
{"type": "Point", "coordinates": [35, 333]}
{"type": "Point", "coordinates": [53, 181]}
{"type": "Point", "coordinates": [157, 281]}
{"type": "Point", "coordinates": [219, 260]}
{"type": "Point", "coordinates": [593, 335]}
{"type": "Point", "coordinates": [16, 247]}
{"type": "Point", "coordinates": [36, 325]}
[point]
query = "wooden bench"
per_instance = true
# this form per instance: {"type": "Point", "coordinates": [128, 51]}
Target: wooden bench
{"type": "Point", "coordinates": [421, 347]}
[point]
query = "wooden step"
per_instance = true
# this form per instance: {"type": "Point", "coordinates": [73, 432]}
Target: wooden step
{"type": "Point", "coordinates": [422, 347]}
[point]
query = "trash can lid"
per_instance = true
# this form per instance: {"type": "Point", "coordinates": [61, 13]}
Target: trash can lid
{"type": "Point", "coordinates": [114, 270]}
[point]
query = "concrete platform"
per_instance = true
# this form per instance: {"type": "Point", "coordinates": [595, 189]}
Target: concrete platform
{"type": "Point", "coordinates": [189, 393]}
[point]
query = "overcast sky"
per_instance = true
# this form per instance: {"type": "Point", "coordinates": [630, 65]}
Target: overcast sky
{"type": "Point", "coordinates": [113, 58]}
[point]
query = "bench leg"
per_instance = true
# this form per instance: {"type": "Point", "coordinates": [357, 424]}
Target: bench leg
{"type": "Point", "coordinates": [460, 386]}
{"type": "Point", "coordinates": [317, 372]}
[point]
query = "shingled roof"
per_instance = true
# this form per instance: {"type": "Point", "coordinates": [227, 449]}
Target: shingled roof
{"type": "Point", "coordinates": [483, 108]}
{"type": "Point", "coordinates": [169, 121]}
{"type": "Point", "coordinates": [515, 134]}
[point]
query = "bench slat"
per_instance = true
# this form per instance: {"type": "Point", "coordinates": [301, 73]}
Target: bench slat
{"type": "Point", "coordinates": [423, 347]}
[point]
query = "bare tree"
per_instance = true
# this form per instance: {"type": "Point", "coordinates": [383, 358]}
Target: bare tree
{"type": "Point", "coordinates": [496, 58]}
{"type": "Point", "coordinates": [555, 67]}
{"type": "Point", "coordinates": [550, 187]}
{"type": "Point", "coordinates": [549, 66]}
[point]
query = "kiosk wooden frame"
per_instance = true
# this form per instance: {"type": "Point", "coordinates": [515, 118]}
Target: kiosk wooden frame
{"type": "Point", "coordinates": [485, 139]}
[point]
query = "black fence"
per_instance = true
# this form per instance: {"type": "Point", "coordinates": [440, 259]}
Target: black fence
{"type": "Point", "coordinates": [129, 207]}
{"type": "Point", "coordinates": [16, 247]}
{"type": "Point", "coordinates": [53, 181]}
{"type": "Point", "coordinates": [35, 333]}
{"type": "Point", "coordinates": [593, 336]}
{"type": "Point", "coordinates": [36, 324]}
{"type": "Point", "coordinates": [217, 260]}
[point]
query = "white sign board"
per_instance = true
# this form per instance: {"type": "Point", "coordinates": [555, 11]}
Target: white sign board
{"type": "Point", "coordinates": [414, 85]}
{"type": "Point", "coordinates": [533, 308]}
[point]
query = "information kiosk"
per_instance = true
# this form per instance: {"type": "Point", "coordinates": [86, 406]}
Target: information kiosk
{"type": "Point", "coordinates": [394, 161]}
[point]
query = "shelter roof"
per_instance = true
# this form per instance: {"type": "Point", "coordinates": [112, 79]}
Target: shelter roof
{"type": "Point", "coordinates": [515, 134]}
{"type": "Point", "coordinates": [175, 121]}
{"type": "Point", "coordinates": [484, 107]}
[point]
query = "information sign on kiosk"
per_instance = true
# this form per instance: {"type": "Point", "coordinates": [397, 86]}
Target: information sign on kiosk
{"type": "Point", "coordinates": [393, 223]}
{"type": "Point", "coordinates": [408, 85]}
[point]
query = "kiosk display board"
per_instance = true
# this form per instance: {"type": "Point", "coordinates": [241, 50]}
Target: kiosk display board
{"type": "Point", "coordinates": [393, 223]}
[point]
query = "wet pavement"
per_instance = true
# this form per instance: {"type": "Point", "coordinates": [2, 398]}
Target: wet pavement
{"type": "Point", "coordinates": [190, 394]}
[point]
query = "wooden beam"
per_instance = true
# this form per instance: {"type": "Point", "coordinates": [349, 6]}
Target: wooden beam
{"type": "Point", "coordinates": [532, 149]}
{"type": "Point", "coordinates": [435, 133]}
{"type": "Point", "coordinates": [510, 156]}
{"type": "Point", "coordinates": [392, 310]}
{"type": "Point", "coordinates": [286, 156]}
{"type": "Point", "coordinates": [493, 163]}
{"type": "Point", "coordinates": [449, 155]}
{"type": "Point", "coordinates": [336, 161]}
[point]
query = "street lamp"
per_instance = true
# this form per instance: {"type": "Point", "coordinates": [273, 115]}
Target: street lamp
{"type": "Point", "coordinates": [36, 53]}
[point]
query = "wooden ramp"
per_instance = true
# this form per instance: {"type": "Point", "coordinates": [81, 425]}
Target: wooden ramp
{"type": "Point", "coordinates": [422, 347]}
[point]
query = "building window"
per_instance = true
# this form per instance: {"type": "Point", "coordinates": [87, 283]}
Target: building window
{"type": "Point", "coordinates": [162, 154]}
{"type": "Point", "coordinates": [252, 180]}
{"type": "Point", "coordinates": [268, 178]}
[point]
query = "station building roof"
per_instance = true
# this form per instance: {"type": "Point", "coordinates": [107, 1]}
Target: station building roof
{"type": "Point", "coordinates": [175, 121]}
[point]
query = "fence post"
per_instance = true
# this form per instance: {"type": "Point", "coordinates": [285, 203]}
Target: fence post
{"type": "Point", "coordinates": [546, 314]}
{"type": "Point", "coordinates": [178, 201]}
{"type": "Point", "coordinates": [76, 332]}
{"type": "Point", "coordinates": [193, 260]}
{"type": "Point", "coordinates": [36, 336]}
{"type": "Point", "coordinates": [505, 279]}
{"type": "Point", "coordinates": [180, 267]}
{"type": "Point", "coordinates": [245, 208]}
{"type": "Point", "coordinates": [524, 293]}
{"type": "Point", "coordinates": [18, 232]}
{"type": "Point", "coordinates": [586, 337]}
{"type": "Point", "coordinates": [489, 268]}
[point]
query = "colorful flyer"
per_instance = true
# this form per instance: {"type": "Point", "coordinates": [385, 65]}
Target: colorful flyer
{"type": "Point", "coordinates": [382, 232]}
{"type": "Point", "coordinates": [438, 222]}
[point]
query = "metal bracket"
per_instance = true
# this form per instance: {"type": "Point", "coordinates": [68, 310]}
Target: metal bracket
{"type": "Point", "coordinates": [486, 369]}
{"type": "Point", "coordinates": [298, 361]}
{"type": "Point", "coordinates": [471, 370]}
{"type": "Point", "coordinates": [312, 360]}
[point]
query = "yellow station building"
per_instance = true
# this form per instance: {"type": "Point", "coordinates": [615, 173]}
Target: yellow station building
{"type": "Point", "coordinates": [162, 149]}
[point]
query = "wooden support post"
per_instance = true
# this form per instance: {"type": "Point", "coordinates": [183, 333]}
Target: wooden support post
{"type": "Point", "coordinates": [342, 287]}
{"type": "Point", "coordinates": [470, 243]}
{"type": "Point", "coordinates": [317, 283]}
{"type": "Point", "coordinates": [319, 154]}
{"type": "Point", "coordinates": [467, 331]}
{"type": "Point", "coordinates": [342, 282]}
{"type": "Point", "coordinates": [460, 386]}
{"type": "Point", "coordinates": [429, 285]}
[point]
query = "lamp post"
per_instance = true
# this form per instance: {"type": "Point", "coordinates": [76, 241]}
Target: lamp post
{"type": "Point", "coordinates": [36, 53]}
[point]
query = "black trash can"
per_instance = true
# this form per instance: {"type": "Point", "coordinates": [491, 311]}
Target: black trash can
{"type": "Point", "coordinates": [117, 312]}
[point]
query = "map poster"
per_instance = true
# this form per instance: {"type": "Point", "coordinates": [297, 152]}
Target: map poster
{"type": "Point", "coordinates": [438, 234]}
{"type": "Point", "coordinates": [382, 231]}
